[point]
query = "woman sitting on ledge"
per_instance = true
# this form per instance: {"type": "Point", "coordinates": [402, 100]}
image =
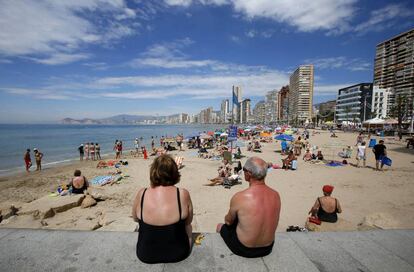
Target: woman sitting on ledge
{"type": "Point", "coordinates": [164, 213]}
{"type": "Point", "coordinates": [326, 207]}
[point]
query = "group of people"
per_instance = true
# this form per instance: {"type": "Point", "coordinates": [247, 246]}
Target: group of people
{"type": "Point", "coordinates": [90, 151]}
{"type": "Point", "coordinates": [379, 150]}
{"type": "Point", "coordinates": [165, 213]}
{"type": "Point", "coordinates": [28, 160]}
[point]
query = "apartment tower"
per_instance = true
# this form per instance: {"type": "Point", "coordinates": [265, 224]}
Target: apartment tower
{"type": "Point", "coordinates": [301, 94]}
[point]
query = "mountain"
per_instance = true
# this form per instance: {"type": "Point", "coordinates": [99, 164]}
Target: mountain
{"type": "Point", "coordinates": [122, 119]}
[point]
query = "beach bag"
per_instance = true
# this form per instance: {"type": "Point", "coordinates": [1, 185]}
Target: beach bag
{"type": "Point", "coordinates": [372, 143]}
{"type": "Point", "coordinates": [314, 220]}
{"type": "Point", "coordinates": [294, 165]}
{"type": "Point", "coordinates": [386, 161]}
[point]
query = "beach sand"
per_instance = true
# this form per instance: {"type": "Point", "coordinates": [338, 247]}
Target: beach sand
{"type": "Point", "coordinates": [382, 199]}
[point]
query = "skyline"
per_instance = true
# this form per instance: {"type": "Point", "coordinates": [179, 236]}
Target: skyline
{"type": "Point", "coordinates": [99, 58]}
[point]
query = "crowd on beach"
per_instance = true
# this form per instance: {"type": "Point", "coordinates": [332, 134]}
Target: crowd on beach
{"type": "Point", "coordinates": [165, 232]}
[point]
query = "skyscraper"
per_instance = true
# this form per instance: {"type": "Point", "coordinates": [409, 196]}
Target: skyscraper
{"type": "Point", "coordinates": [236, 105]}
{"type": "Point", "coordinates": [271, 106]}
{"type": "Point", "coordinates": [283, 104]}
{"type": "Point", "coordinates": [259, 112]}
{"type": "Point", "coordinates": [224, 111]}
{"type": "Point", "coordinates": [394, 67]}
{"type": "Point", "coordinates": [301, 94]}
{"type": "Point", "coordinates": [246, 111]}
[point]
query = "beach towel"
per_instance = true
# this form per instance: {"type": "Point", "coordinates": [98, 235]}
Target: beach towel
{"type": "Point", "coordinates": [101, 180]}
{"type": "Point", "coordinates": [334, 164]}
{"type": "Point", "coordinates": [387, 161]}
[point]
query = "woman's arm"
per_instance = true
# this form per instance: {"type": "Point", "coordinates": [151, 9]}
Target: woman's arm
{"type": "Point", "coordinates": [314, 210]}
{"type": "Point", "coordinates": [338, 207]}
{"type": "Point", "coordinates": [135, 205]}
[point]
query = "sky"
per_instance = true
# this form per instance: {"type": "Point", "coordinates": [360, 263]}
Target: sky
{"type": "Point", "coordinates": [99, 58]}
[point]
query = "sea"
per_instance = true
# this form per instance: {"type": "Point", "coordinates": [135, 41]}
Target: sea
{"type": "Point", "coordinates": [59, 143]}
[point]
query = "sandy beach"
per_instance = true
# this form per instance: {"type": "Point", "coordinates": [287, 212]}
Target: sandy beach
{"type": "Point", "coordinates": [385, 198]}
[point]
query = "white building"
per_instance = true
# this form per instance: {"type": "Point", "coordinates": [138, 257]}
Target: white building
{"type": "Point", "coordinates": [271, 106]}
{"type": "Point", "coordinates": [301, 93]}
{"type": "Point", "coordinates": [381, 98]}
{"type": "Point", "coordinates": [225, 111]}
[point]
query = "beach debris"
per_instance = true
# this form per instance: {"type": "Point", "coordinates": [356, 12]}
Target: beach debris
{"type": "Point", "coordinates": [98, 193]}
{"type": "Point", "coordinates": [198, 239]}
{"type": "Point", "coordinates": [88, 201]}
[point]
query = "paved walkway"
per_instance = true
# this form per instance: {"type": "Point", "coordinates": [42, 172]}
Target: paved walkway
{"type": "Point", "coordinates": [70, 251]}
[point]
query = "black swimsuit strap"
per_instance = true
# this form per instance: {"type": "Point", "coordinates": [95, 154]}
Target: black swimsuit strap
{"type": "Point", "coordinates": [179, 201]}
{"type": "Point", "coordinates": [142, 203]}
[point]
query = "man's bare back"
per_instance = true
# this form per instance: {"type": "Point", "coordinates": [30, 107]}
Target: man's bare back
{"type": "Point", "coordinates": [257, 209]}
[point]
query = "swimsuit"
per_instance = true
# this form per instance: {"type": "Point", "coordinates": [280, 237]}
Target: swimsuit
{"type": "Point", "coordinates": [80, 190]}
{"type": "Point", "coordinates": [162, 244]}
{"type": "Point", "coordinates": [325, 216]}
{"type": "Point", "coordinates": [229, 235]}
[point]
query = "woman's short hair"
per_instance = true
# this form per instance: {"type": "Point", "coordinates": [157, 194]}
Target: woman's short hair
{"type": "Point", "coordinates": [164, 171]}
{"type": "Point", "coordinates": [77, 173]}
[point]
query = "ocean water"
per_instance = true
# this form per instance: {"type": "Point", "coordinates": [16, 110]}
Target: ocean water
{"type": "Point", "coordinates": [59, 143]}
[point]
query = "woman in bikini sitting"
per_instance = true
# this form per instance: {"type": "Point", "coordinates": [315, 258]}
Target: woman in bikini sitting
{"type": "Point", "coordinates": [326, 207]}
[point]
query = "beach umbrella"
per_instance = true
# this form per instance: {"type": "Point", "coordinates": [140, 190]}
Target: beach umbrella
{"type": "Point", "coordinates": [284, 137]}
{"type": "Point", "coordinates": [211, 133]}
{"type": "Point", "coordinates": [224, 134]}
{"type": "Point", "coordinates": [217, 133]}
{"type": "Point", "coordinates": [288, 132]}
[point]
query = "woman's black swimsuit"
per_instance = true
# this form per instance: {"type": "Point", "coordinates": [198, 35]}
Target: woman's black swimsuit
{"type": "Point", "coordinates": [80, 190]}
{"type": "Point", "coordinates": [162, 244]}
{"type": "Point", "coordinates": [325, 216]}
{"type": "Point", "coordinates": [229, 235]}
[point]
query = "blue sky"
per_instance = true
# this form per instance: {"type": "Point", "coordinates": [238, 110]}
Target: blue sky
{"type": "Point", "coordinates": [98, 58]}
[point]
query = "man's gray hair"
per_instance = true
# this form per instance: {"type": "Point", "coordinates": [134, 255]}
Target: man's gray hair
{"type": "Point", "coordinates": [257, 167]}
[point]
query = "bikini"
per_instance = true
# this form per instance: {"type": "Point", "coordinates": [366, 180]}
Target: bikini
{"type": "Point", "coordinates": [162, 244]}
{"type": "Point", "coordinates": [229, 235]}
{"type": "Point", "coordinates": [325, 216]}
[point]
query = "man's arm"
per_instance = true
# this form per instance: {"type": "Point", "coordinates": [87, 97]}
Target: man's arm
{"type": "Point", "coordinates": [232, 213]}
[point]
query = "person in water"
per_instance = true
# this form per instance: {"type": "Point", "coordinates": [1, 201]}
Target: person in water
{"type": "Point", "coordinates": [250, 225]}
{"type": "Point", "coordinates": [326, 207]}
{"type": "Point", "coordinates": [164, 213]}
{"type": "Point", "coordinates": [79, 183]}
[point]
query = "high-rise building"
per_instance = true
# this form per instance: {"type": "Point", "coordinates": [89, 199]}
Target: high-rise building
{"type": "Point", "coordinates": [246, 111]}
{"type": "Point", "coordinates": [354, 103]}
{"type": "Point", "coordinates": [236, 104]}
{"type": "Point", "coordinates": [283, 104]}
{"type": "Point", "coordinates": [271, 106]}
{"type": "Point", "coordinates": [381, 102]}
{"type": "Point", "coordinates": [225, 111]}
{"type": "Point", "coordinates": [259, 112]}
{"type": "Point", "coordinates": [394, 64]}
{"type": "Point", "coordinates": [206, 116]}
{"type": "Point", "coordinates": [301, 94]}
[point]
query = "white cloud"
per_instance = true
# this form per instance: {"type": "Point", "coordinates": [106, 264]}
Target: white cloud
{"type": "Point", "coordinates": [61, 58]}
{"type": "Point", "coordinates": [38, 93]}
{"type": "Point", "coordinates": [354, 64]}
{"type": "Point", "coordinates": [383, 18]}
{"type": "Point", "coordinates": [256, 33]}
{"type": "Point", "coordinates": [46, 29]}
{"type": "Point", "coordinates": [304, 15]}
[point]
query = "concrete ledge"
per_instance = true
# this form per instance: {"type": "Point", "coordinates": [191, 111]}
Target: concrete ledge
{"type": "Point", "coordinates": [70, 251]}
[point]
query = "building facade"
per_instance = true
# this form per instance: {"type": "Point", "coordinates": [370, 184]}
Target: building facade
{"type": "Point", "coordinates": [354, 103]}
{"type": "Point", "coordinates": [236, 105]}
{"type": "Point", "coordinates": [394, 67]}
{"type": "Point", "coordinates": [381, 102]}
{"type": "Point", "coordinates": [224, 111]}
{"type": "Point", "coordinates": [246, 111]}
{"type": "Point", "coordinates": [283, 104]}
{"type": "Point", "coordinates": [271, 107]}
{"type": "Point", "coordinates": [259, 112]}
{"type": "Point", "coordinates": [301, 94]}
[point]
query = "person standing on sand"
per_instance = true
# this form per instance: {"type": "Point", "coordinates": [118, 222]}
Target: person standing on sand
{"type": "Point", "coordinates": [81, 152]}
{"type": "Point", "coordinates": [380, 152]}
{"type": "Point", "coordinates": [87, 151]}
{"type": "Point", "coordinates": [98, 151]}
{"type": "Point", "coordinates": [92, 151]}
{"type": "Point", "coordinates": [27, 160]}
{"type": "Point", "coordinates": [361, 154]}
{"type": "Point", "coordinates": [152, 143]}
{"type": "Point", "coordinates": [38, 157]}
{"type": "Point", "coordinates": [250, 225]}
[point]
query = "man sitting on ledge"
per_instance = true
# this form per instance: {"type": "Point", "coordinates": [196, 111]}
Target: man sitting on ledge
{"type": "Point", "coordinates": [250, 224]}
